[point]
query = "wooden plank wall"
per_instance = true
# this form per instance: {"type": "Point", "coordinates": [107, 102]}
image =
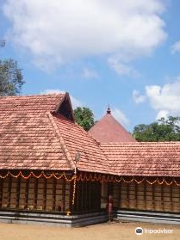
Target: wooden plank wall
{"type": "Point", "coordinates": [35, 194]}
{"type": "Point", "coordinates": [146, 197]}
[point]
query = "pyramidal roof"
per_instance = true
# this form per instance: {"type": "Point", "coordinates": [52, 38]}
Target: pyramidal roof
{"type": "Point", "coordinates": [109, 130]}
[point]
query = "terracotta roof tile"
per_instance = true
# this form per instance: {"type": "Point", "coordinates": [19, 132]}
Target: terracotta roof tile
{"type": "Point", "coordinates": [144, 159]}
{"type": "Point", "coordinates": [35, 103]}
{"type": "Point", "coordinates": [27, 138]}
{"type": "Point", "coordinates": [33, 138]}
{"type": "Point", "coordinates": [109, 130]}
{"type": "Point", "coordinates": [77, 140]}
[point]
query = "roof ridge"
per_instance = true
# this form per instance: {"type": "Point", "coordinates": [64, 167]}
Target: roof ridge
{"type": "Point", "coordinates": [139, 143]}
{"type": "Point", "coordinates": [61, 141]}
{"type": "Point", "coordinates": [34, 95]}
{"type": "Point", "coordinates": [97, 144]}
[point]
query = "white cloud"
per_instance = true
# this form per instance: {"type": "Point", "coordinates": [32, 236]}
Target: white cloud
{"type": "Point", "coordinates": [89, 73]}
{"type": "Point", "coordinates": [176, 47]}
{"type": "Point", "coordinates": [122, 68]}
{"type": "Point", "coordinates": [56, 32]}
{"type": "Point", "coordinates": [75, 102]}
{"type": "Point", "coordinates": [164, 99]}
{"type": "Point", "coordinates": [138, 98]}
{"type": "Point", "coordinates": [120, 116]}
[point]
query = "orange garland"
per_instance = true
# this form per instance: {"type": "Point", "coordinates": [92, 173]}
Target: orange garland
{"type": "Point", "coordinates": [42, 174]}
{"type": "Point", "coordinates": [74, 190]}
{"type": "Point", "coordinates": [90, 177]}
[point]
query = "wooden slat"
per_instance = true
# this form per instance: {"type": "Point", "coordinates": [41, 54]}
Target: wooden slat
{"type": "Point", "coordinates": [9, 191]}
{"type": "Point", "coordinates": [144, 195]}
{"type": "Point", "coordinates": [18, 192]}
{"type": "Point", "coordinates": [119, 195]}
{"type": "Point", "coordinates": [162, 197]}
{"type": "Point", "coordinates": [63, 195]}
{"type": "Point", "coordinates": [44, 193]}
{"type": "Point", "coordinates": [82, 195]}
{"type": "Point", "coordinates": [54, 193]}
{"type": "Point", "coordinates": [127, 195]}
{"type": "Point", "coordinates": [179, 197]}
{"type": "Point", "coordinates": [26, 193]}
{"type": "Point", "coordinates": [35, 193]}
{"type": "Point", "coordinates": [171, 196]}
{"type": "Point", "coordinates": [153, 200]}
{"type": "Point", "coordinates": [1, 191]}
{"type": "Point", "coordinates": [71, 196]}
{"type": "Point", "coordinates": [136, 195]}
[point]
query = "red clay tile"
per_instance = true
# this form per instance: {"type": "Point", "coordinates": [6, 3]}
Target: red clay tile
{"type": "Point", "coordinates": [109, 130]}
{"type": "Point", "coordinates": [144, 159]}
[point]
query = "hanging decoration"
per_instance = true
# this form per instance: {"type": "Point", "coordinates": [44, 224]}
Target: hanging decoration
{"type": "Point", "coordinates": [83, 176]}
{"type": "Point", "coordinates": [74, 190]}
{"type": "Point", "coordinates": [36, 175]}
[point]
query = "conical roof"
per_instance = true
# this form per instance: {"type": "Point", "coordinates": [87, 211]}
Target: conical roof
{"type": "Point", "coordinates": [109, 130]}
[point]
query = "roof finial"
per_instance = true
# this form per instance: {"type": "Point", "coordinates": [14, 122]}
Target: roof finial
{"type": "Point", "coordinates": [108, 109]}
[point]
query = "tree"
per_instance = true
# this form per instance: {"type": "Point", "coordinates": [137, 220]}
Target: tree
{"type": "Point", "coordinates": [162, 130]}
{"type": "Point", "coordinates": [84, 117]}
{"type": "Point", "coordinates": [11, 79]}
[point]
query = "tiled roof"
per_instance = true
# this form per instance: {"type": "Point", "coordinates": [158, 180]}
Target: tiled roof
{"type": "Point", "coordinates": [28, 104]}
{"type": "Point", "coordinates": [27, 139]}
{"type": "Point", "coordinates": [76, 140]}
{"type": "Point", "coordinates": [109, 130]}
{"type": "Point", "coordinates": [33, 136]}
{"type": "Point", "coordinates": [144, 159]}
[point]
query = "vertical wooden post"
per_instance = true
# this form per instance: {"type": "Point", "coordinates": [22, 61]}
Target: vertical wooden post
{"type": "Point", "coordinates": [162, 197]}
{"type": "Point", "coordinates": [76, 205]}
{"type": "Point", "coordinates": [171, 189]}
{"type": "Point", "coordinates": [9, 191]}
{"type": "Point", "coordinates": [44, 193]}
{"type": "Point", "coordinates": [136, 194]}
{"type": "Point", "coordinates": [18, 192]}
{"type": "Point", "coordinates": [179, 198]}
{"type": "Point", "coordinates": [54, 193]}
{"type": "Point", "coordinates": [63, 195]}
{"type": "Point", "coordinates": [70, 196]}
{"type": "Point", "coordinates": [144, 194]}
{"type": "Point", "coordinates": [89, 195]}
{"type": "Point", "coordinates": [26, 193]}
{"type": "Point", "coordinates": [81, 199]}
{"type": "Point", "coordinates": [1, 191]}
{"type": "Point", "coordinates": [99, 195]}
{"type": "Point", "coordinates": [153, 200]}
{"type": "Point", "coordinates": [95, 196]}
{"type": "Point", "coordinates": [119, 197]}
{"type": "Point", "coordinates": [35, 192]}
{"type": "Point", "coordinates": [86, 196]}
{"type": "Point", "coordinates": [127, 196]}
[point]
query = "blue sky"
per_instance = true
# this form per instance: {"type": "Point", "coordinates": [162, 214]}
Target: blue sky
{"type": "Point", "coordinates": [122, 53]}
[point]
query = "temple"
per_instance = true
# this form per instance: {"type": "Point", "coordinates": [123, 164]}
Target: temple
{"type": "Point", "coordinates": [53, 172]}
{"type": "Point", "coordinates": [108, 129]}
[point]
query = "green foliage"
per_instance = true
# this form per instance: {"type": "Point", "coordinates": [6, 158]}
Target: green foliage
{"type": "Point", "coordinates": [11, 79]}
{"type": "Point", "coordinates": [162, 130]}
{"type": "Point", "coordinates": [84, 117]}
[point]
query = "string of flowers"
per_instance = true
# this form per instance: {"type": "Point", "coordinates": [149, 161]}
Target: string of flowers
{"type": "Point", "coordinates": [91, 177]}
{"type": "Point", "coordinates": [42, 174]}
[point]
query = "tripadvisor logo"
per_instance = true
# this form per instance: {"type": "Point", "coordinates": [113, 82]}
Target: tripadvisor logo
{"type": "Point", "coordinates": [139, 231]}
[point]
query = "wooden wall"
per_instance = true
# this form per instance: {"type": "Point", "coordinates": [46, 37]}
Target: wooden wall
{"type": "Point", "coordinates": [35, 194]}
{"type": "Point", "coordinates": [146, 197]}
{"type": "Point", "coordinates": [88, 197]}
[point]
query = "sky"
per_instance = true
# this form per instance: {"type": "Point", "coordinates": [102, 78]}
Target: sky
{"type": "Point", "coordinates": [125, 54]}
